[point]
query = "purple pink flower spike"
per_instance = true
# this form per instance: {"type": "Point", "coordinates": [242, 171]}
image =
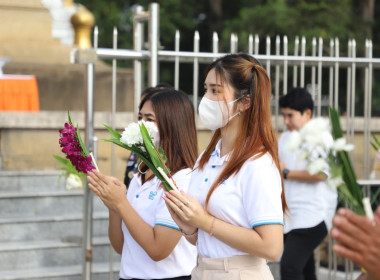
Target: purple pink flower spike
{"type": "Point", "coordinates": [71, 147]}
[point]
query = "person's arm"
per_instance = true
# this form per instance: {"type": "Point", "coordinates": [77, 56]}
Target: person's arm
{"type": "Point", "coordinates": [304, 176]}
{"type": "Point", "coordinates": [265, 241]}
{"type": "Point", "coordinates": [358, 240]}
{"type": "Point", "coordinates": [158, 242]}
{"type": "Point", "coordinates": [115, 232]}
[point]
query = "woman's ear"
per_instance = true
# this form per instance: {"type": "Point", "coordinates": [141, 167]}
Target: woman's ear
{"type": "Point", "coordinates": [245, 103]}
{"type": "Point", "coordinates": [308, 113]}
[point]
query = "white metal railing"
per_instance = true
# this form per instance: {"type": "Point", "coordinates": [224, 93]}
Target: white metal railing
{"type": "Point", "coordinates": [325, 65]}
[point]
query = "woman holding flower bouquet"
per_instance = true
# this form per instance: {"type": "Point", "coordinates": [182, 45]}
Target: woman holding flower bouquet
{"type": "Point", "coordinates": [140, 226]}
{"type": "Point", "coordinates": [234, 209]}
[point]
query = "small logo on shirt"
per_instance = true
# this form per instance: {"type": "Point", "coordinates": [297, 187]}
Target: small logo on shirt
{"type": "Point", "coordinates": [152, 194]}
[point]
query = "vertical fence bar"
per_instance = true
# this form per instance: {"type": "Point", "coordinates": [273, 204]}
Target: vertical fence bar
{"type": "Point", "coordinates": [353, 92]}
{"type": "Point", "coordinates": [215, 43]}
{"type": "Point", "coordinates": [313, 73]}
{"type": "Point", "coordinates": [250, 44]}
{"type": "Point", "coordinates": [154, 39]}
{"type": "Point", "coordinates": [257, 44]}
{"type": "Point", "coordinates": [176, 60]}
{"type": "Point", "coordinates": [370, 73]}
{"type": "Point", "coordinates": [348, 105]}
{"type": "Point", "coordinates": [314, 96]}
{"type": "Point", "coordinates": [268, 53]}
{"type": "Point", "coordinates": [138, 41]}
{"type": "Point", "coordinates": [88, 196]}
{"type": "Point", "coordinates": [336, 72]}
{"type": "Point", "coordinates": [113, 113]}
{"type": "Point", "coordinates": [295, 72]}
{"type": "Point", "coordinates": [303, 54]}
{"type": "Point", "coordinates": [277, 85]}
{"type": "Point", "coordinates": [234, 43]}
{"type": "Point", "coordinates": [196, 72]}
{"type": "Point", "coordinates": [319, 88]}
{"type": "Point", "coordinates": [368, 113]}
{"type": "Point", "coordinates": [285, 82]}
{"type": "Point", "coordinates": [366, 107]}
{"type": "Point", "coordinates": [331, 76]}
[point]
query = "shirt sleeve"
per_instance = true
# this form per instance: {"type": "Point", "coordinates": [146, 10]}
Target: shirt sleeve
{"type": "Point", "coordinates": [163, 217]}
{"type": "Point", "coordinates": [262, 193]}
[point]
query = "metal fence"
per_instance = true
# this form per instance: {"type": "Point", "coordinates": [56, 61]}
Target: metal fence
{"type": "Point", "coordinates": [321, 67]}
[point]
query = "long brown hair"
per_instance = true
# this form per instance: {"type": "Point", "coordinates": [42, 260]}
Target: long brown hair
{"type": "Point", "coordinates": [249, 81]}
{"type": "Point", "coordinates": [176, 125]}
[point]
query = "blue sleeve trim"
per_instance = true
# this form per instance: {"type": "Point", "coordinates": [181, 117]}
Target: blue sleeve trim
{"type": "Point", "coordinates": [268, 223]}
{"type": "Point", "coordinates": [166, 225]}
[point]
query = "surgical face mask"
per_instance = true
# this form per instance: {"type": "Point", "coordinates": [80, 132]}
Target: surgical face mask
{"type": "Point", "coordinates": [156, 137]}
{"type": "Point", "coordinates": [214, 114]}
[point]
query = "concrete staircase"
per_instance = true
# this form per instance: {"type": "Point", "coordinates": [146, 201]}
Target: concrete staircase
{"type": "Point", "coordinates": [41, 229]}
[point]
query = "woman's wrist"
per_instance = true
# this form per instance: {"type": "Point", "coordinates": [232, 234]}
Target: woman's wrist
{"type": "Point", "coordinates": [189, 234]}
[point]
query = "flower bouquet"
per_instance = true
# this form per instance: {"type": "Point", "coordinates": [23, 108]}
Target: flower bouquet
{"type": "Point", "coordinates": [140, 138]}
{"type": "Point", "coordinates": [322, 156]}
{"type": "Point", "coordinates": [78, 160]}
{"type": "Point", "coordinates": [350, 191]}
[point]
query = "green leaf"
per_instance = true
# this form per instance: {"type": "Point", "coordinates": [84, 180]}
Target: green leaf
{"type": "Point", "coordinates": [352, 192]}
{"type": "Point", "coordinates": [376, 145]}
{"type": "Point", "coordinates": [68, 167]}
{"type": "Point", "coordinates": [154, 155]}
{"type": "Point", "coordinates": [62, 160]}
{"type": "Point", "coordinates": [114, 133]}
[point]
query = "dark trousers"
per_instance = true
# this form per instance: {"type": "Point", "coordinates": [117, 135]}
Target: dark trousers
{"type": "Point", "coordinates": [175, 278]}
{"type": "Point", "coordinates": [297, 261]}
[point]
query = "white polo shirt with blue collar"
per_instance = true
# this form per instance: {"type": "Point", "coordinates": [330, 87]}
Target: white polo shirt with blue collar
{"type": "Point", "coordinates": [248, 199]}
{"type": "Point", "coordinates": [147, 201]}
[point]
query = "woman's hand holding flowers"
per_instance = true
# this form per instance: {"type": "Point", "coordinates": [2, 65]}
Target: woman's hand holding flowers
{"type": "Point", "coordinates": [109, 189]}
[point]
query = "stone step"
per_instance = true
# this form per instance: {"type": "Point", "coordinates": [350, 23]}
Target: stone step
{"type": "Point", "coordinates": [50, 253]}
{"type": "Point", "coordinates": [100, 271]}
{"type": "Point", "coordinates": [45, 203]}
{"type": "Point", "coordinates": [39, 180]}
{"type": "Point", "coordinates": [61, 227]}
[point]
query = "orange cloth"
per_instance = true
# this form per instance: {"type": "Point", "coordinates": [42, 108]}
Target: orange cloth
{"type": "Point", "coordinates": [18, 93]}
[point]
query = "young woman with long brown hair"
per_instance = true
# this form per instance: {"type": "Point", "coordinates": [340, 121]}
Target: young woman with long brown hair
{"type": "Point", "coordinates": [234, 208]}
{"type": "Point", "coordinates": [140, 226]}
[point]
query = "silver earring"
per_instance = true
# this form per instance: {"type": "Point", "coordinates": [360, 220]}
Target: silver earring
{"type": "Point", "coordinates": [138, 168]}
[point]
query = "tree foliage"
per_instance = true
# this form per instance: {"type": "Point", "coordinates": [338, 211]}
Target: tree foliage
{"type": "Point", "coordinates": [327, 19]}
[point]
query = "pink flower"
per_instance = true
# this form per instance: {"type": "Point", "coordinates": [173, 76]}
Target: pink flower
{"type": "Point", "coordinates": [378, 154]}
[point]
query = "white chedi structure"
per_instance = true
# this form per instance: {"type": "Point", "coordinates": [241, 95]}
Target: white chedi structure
{"type": "Point", "coordinates": [61, 12]}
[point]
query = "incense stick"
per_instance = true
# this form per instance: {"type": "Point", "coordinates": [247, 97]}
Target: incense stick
{"type": "Point", "coordinates": [167, 179]}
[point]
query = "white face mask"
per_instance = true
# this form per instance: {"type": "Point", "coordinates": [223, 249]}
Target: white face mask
{"type": "Point", "coordinates": [214, 114]}
{"type": "Point", "coordinates": [156, 137]}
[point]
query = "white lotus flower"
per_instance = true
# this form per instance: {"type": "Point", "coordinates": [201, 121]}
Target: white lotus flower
{"type": "Point", "coordinates": [294, 141]}
{"type": "Point", "coordinates": [132, 135]}
{"type": "Point", "coordinates": [73, 181]}
{"type": "Point", "coordinates": [313, 132]}
{"type": "Point", "coordinates": [340, 145]}
{"type": "Point", "coordinates": [335, 182]}
{"type": "Point", "coordinates": [317, 166]}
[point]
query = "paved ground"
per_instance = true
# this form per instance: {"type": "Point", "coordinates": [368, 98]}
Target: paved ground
{"type": "Point", "coordinates": [324, 275]}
